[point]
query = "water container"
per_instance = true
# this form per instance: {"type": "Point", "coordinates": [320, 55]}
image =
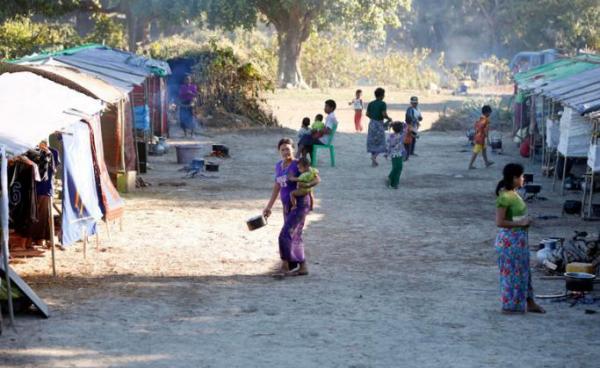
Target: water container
{"type": "Point", "coordinates": [186, 153]}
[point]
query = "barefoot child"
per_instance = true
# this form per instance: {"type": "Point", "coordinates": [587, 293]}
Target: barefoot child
{"type": "Point", "coordinates": [482, 127]}
{"type": "Point", "coordinates": [396, 149]}
{"type": "Point", "coordinates": [307, 175]}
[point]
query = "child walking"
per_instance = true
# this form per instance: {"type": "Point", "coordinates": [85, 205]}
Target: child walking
{"type": "Point", "coordinates": [307, 175]}
{"type": "Point", "coordinates": [357, 105]}
{"type": "Point", "coordinates": [396, 149]}
{"type": "Point", "coordinates": [482, 127]}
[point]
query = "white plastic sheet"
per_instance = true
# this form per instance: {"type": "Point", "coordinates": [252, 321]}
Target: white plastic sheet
{"type": "Point", "coordinates": [594, 157]}
{"type": "Point", "coordinates": [34, 107]}
{"type": "Point", "coordinates": [574, 134]}
{"type": "Point", "coordinates": [552, 133]}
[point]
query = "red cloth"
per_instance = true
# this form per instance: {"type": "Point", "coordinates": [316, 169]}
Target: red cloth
{"type": "Point", "coordinates": [358, 120]}
{"type": "Point", "coordinates": [525, 149]}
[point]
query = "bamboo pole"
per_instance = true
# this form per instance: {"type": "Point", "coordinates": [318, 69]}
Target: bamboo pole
{"type": "Point", "coordinates": [4, 238]}
{"type": "Point", "coordinates": [52, 243]}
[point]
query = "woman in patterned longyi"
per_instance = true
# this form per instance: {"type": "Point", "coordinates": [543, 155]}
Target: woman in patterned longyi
{"type": "Point", "coordinates": [512, 247]}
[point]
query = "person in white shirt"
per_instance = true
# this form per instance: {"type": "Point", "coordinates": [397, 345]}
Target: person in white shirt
{"type": "Point", "coordinates": [357, 105]}
{"type": "Point", "coordinates": [323, 136]}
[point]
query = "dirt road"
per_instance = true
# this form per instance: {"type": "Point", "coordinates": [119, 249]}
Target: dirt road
{"type": "Point", "coordinates": [402, 278]}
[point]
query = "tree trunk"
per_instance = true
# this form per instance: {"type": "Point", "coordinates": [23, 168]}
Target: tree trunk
{"type": "Point", "coordinates": [138, 31]}
{"type": "Point", "coordinates": [290, 48]}
{"type": "Point", "coordinates": [132, 27]}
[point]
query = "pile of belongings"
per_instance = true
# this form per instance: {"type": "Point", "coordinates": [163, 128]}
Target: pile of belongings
{"type": "Point", "coordinates": [575, 250]}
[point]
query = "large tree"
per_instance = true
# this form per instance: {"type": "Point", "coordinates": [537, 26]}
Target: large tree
{"type": "Point", "coordinates": [294, 20]}
{"type": "Point", "coordinates": [141, 15]}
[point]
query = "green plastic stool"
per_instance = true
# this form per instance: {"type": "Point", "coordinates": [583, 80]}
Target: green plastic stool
{"type": "Point", "coordinates": [329, 145]}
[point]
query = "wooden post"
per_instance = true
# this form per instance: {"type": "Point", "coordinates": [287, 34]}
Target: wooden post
{"type": "Point", "coordinates": [4, 237]}
{"type": "Point", "coordinates": [108, 230]}
{"type": "Point", "coordinates": [564, 176]}
{"type": "Point", "coordinates": [52, 244]}
{"type": "Point", "coordinates": [555, 171]}
{"type": "Point", "coordinates": [84, 243]}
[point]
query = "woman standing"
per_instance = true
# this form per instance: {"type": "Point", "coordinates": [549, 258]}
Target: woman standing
{"type": "Point", "coordinates": [187, 94]}
{"type": "Point", "coordinates": [291, 246]}
{"type": "Point", "coordinates": [377, 112]}
{"type": "Point", "coordinates": [512, 247]}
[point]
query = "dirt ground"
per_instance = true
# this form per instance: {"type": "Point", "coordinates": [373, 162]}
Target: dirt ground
{"type": "Point", "coordinates": [399, 278]}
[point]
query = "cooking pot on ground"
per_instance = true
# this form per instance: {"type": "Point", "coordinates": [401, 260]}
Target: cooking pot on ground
{"type": "Point", "coordinates": [572, 207]}
{"type": "Point", "coordinates": [210, 166]}
{"type": "Point", "coordinates": [579, 281]}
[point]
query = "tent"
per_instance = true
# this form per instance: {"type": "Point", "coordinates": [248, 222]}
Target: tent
{"type": "Point", "coordinates": [142, 77]}
{"type": "Point", "coordinates": [117, 131]}
{"type": "Point", "coordinates": [33, 107]}
{"type": "Point", "coordinates": [30, 114]}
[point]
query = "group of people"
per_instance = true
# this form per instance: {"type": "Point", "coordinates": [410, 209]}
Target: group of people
{"type": "Point", "coordinates": [295, 178]}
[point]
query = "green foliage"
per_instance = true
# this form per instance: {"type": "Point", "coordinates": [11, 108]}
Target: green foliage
{"type": "Point", "coordinates": [173, 47]}
{"type": "Point", "coordinates": [334, 62]}
{"type": "Point", "coordinates": [295, 20]}
{"type": "Point", "coordinates": [468, 28]}
{"type": "Point", "coordinates": [227, 83]}
{"type": "Point", "coordinates": [464, 117]}
{"type": "Point", "coordinates": [21, 36]}
{"type": "Point", "coordinates": [107, 31]}
{"type": "Point", "coordinates": [15, 8]}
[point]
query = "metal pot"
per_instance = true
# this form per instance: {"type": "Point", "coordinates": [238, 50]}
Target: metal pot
{"type": "Point", "coordinates": [211, 166]}
{"type": "Point", "coordinates": [579, 281]}
{"type": "Point", "coordinates": [533, 188]}
{"type": "Point", "coordinates": [572, 207]}
{"type": "Point", "coordinates": [221, 149]}
{"type": "Point", "coordinates": [256, 222]}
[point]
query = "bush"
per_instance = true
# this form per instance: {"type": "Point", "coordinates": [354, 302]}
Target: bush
{"type": "Point", "coordinates": [333, 61]}
{"type": "Point", "coordinates": [464, 117]}
{"type": "Point", "coordinates": [20, 37]}
{"type": "Point", "coordinates": [227, 83]}
{"type": "Point", "coordinates": [107, 31]}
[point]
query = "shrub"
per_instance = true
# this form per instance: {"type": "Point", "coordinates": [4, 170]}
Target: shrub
{"type": "Point", "coordinates": [228, 83]}
{"type": "Point", "coordinates": [20, 37]}
{"type": "Point", "coordinates": [107, 31]}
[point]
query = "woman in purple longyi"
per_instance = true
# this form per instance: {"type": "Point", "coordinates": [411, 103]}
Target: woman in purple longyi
{"type": "Point", "coordinates": [291, 246]}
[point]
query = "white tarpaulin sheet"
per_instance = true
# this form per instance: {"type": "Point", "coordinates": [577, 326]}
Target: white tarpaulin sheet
{"type": "Point", "coordinates": [594, 157]}
{"type": "Point", "coordinates": [552, 133]}
{"type": "Point", "coordinates": [34, 107]}
{"type": "Point", "coordinates": [574, 134]}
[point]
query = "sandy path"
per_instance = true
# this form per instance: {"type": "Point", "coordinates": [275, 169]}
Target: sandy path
{"type": "Point", "coordinates": [401, 278]}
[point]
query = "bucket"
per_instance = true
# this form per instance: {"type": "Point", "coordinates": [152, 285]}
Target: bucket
{"type": "Point", "coordinates": [185, 154]}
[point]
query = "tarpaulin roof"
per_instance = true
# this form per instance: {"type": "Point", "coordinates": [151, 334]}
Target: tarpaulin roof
{"type": "Point", "coordinates": [34, 107]}
{"type": "Point", "coordinates": [119, 68]}
{"type": "Point", "coordinates": [580, 91]}
{"type": "Point", "coordinates": [72, 78]}
{"type": "Point", "coordinates": [110, 55]}
{"type": "Point", "coordinates": [560, 69]}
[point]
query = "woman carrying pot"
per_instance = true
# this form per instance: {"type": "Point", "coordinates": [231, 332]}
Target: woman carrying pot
{"type": "Point", "coordinates": [291, 246]}
{"type": "Point", "coordinates": [512, 245]}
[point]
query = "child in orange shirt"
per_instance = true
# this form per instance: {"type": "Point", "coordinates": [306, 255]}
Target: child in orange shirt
{"type": "Point", "coordinates": [482, 127]}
